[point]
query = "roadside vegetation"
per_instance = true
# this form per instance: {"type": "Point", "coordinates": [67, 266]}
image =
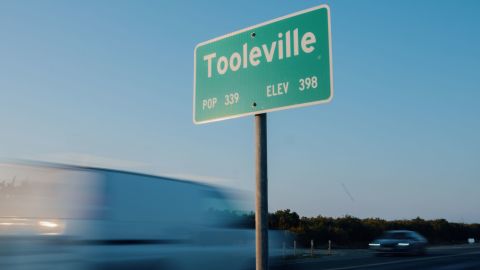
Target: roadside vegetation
{"type": "Point", "coordinates": [349, 231]}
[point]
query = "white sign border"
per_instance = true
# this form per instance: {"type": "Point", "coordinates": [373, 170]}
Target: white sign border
{"type": "Point", "coordinates": [256, 26]}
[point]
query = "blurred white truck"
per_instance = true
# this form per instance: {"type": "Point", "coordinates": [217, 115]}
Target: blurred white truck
{"type": "Point", "coordinates": [71, 217]}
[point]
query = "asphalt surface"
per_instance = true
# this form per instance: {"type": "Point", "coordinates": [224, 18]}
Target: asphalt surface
{"type": "Point", "coordinates": [438, 258]}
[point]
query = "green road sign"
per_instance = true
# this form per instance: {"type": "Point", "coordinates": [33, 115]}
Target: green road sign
{"type": "Point", "coordinates": [279, 64]}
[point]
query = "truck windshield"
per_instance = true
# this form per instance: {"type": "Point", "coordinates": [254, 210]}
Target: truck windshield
{"type": "Point", "coordinates": [47, 192]}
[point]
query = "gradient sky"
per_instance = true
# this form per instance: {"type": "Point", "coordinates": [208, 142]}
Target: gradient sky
{"type": "Point", "coordinates": [111, 82]}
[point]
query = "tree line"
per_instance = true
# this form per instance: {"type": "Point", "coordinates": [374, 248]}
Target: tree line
{"type": "Point", "coordinates": [349, 231]}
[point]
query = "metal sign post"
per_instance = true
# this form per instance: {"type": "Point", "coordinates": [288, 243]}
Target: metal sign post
{"type": "Point", "coordinates": [261, 197]}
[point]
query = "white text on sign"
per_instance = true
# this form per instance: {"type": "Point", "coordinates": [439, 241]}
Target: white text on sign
{"type": "Point", "coordinates": [277, 90]}
{"type": "Point", "coordinates": [281, 48]}
{"type": "Point", "coordinates": [209, 103]}
{"type": "Point", "coordinates": [307, 83]}
{"type": "Point", "coordinates": [232, 98]}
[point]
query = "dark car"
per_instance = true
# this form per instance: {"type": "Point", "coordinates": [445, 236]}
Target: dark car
{"type": "Point", "coordinates": [399, 242]}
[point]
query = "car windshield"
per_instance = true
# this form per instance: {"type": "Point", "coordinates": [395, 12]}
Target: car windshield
{"type": "Point", "coordinates": [396, 235]}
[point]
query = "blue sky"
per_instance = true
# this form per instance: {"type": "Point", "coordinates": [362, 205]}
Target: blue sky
{"type": "Point", "coordinates": [111, 82]}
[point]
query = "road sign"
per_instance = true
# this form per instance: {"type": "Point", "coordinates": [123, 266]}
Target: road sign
{"type": "Point", "coordinates": [279, 64]}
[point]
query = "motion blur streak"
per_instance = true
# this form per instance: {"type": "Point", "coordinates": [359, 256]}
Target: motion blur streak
{"type": "Point", "coordinates": [70, 217]}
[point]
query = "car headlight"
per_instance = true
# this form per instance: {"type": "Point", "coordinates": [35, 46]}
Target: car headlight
{"type": "Point", "coordinates": [374, 244]}
{"type": "Point", "coordinates": [403, 244]}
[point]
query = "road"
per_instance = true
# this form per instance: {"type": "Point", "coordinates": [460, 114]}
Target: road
{"type": "Point", "coordinates": [438, 258]}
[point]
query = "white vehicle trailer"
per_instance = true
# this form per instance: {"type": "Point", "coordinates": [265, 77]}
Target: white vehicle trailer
{"type": "Point", "coordinates": [72, 217]}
